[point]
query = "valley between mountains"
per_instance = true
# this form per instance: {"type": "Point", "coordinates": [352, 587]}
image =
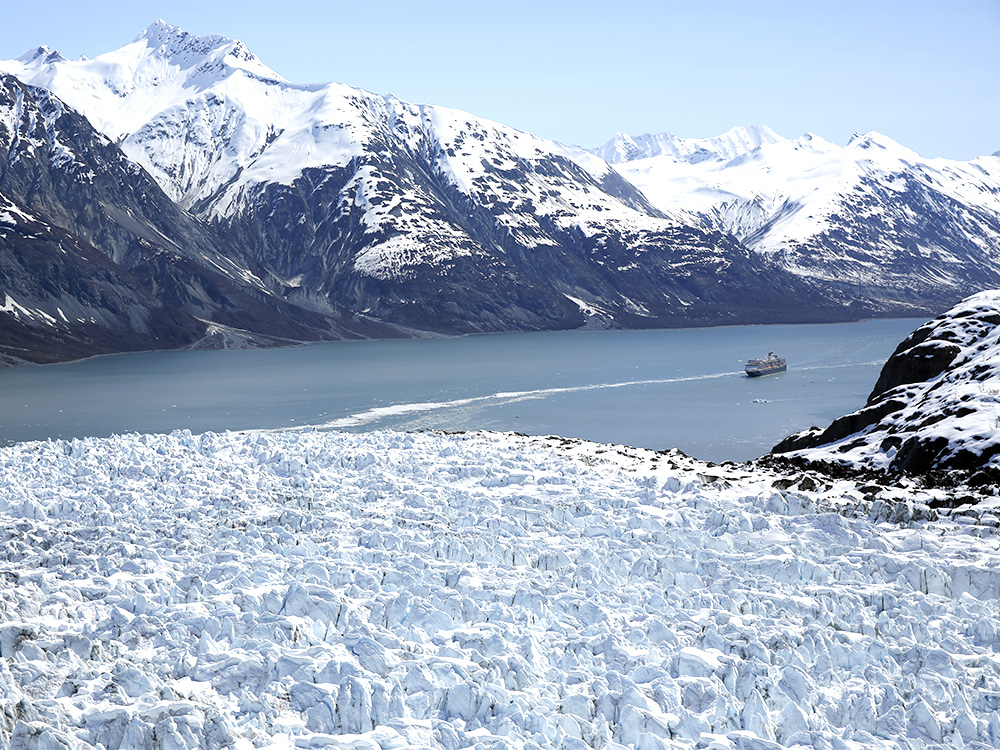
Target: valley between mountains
{"type": "Point", "coordinates": [177, 192]}
{"type": "Point", "coordinates": [431, 591]}
{"type": "Point", "coordinates": [304, 588]}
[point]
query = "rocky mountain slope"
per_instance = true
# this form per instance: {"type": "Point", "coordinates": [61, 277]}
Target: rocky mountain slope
{"type": "Point", "coordinates": [63, 299]}
{"type": "Point", "coordinates": [415, 215]}
{"type": "Point", "coordinates": [871, 220]}
{"type": "Point", "coordinates": [934, 410]}
{"type": "Point", "coordinates": [96, 258]}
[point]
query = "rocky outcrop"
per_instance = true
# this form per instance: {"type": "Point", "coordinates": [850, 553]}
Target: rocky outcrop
{"type": "Point", "coordinates": [935, 407]}
{"type": "Point", "coordinates": [840, 428]}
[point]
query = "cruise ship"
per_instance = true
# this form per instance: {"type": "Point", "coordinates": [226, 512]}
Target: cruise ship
{"type": "Point", "coordinates": [766, 366]}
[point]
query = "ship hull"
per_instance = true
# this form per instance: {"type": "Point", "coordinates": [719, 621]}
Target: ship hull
{"type": "Point", "coordinates": [769, 371]}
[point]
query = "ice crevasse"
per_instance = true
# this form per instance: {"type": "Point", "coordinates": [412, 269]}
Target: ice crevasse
{"type": "Point", "coordinates": [386, 591]}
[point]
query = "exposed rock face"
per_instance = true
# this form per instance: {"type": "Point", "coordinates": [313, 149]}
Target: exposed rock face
{"type": "Point", "coordinates": [63, 299]}
{"type": "Point", "coordinates": [935, 407]}
{"type": "Point", "coordinates": [95, 258]}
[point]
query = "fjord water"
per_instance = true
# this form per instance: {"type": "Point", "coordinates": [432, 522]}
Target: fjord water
{"type": "Point", "coordinates": [658, 389]}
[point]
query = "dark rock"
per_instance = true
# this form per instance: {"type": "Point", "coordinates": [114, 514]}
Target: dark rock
{"type": "Point", "coordinates": [808, 484]}
{"type": "Point", "coordinates": [988, 475]}
{"type": "Point", "coordinates": [98, 259]}
{"type": "Point", "coordinates": [840, 428]}
{"type": "Point", "coordinates": [914, 361]}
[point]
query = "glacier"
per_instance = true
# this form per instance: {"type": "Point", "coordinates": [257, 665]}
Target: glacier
{"type": "Point", "coordinates": [384, 591]}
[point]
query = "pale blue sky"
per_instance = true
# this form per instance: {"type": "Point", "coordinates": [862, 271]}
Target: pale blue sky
{"type": "Point", "coordinates": [926, 74]}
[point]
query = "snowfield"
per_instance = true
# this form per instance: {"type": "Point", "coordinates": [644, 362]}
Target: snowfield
{"type": "Point", "coordinates": [387, 591]}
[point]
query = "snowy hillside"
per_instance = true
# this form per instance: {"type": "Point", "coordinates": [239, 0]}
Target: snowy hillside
{"type": "Point", "coordinates": [389, 591]}
{"type": "Point", "coordinates": [171, 99]}
{"type": "Point", "coordinates": [411, 214]}
{"type": "Point", "coordinates": [872, 218]}
{"type": "Point", "coordinates": [936, 406]}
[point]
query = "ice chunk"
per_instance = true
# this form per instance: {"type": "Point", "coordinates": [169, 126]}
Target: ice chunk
{"type": "Point", "coordinates": [696, 662]}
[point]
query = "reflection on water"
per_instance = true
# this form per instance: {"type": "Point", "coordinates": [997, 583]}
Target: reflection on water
{"type": "Point", "coordinates": [658, 389]}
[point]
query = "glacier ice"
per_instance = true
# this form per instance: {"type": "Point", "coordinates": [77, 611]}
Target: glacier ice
{"type": "Point", "coordinates": [387, 591]}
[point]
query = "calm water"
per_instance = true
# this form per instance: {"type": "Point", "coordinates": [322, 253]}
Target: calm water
{"type": "Point", "coordinates": [656, 389]}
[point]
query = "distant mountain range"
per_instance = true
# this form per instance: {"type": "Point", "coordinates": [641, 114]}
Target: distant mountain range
{"type": "Point", "coordinates": [872, 221]}
{"type": "Point", "coordinates": [226, 207]}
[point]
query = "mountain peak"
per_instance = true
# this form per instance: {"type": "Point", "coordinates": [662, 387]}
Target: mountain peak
{"type": "Point", "coordinates": [41, 56]}
{"type": "Point", "coordinates": [158, 30]}
{"type": "Point", "coordinates": [873, 141]}
{"type": "Point", "coordinates": [731, 144]}
{"type": "Point", "coordinates": [752, 135]}
{"type": "Point", "coordinates": [161, 34]}
{"type": "Point", "coordinates": [216, 53]}
{"type": "Point", "coordinates": [871, 138]}
{"type": "Point", "coordinates": [161, 68]}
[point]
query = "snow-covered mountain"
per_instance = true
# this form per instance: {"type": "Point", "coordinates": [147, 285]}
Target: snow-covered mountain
{"type": "Point", "coordinates": [375, 214]}
{"type": "Point", "coordinates": [935, 408]}
{"type": "Point", "coordinates": [413, 214]}
{"type": "Point", "coordinates": [872, 219]}
{"type": "Point", "coordinates": [96, 258]}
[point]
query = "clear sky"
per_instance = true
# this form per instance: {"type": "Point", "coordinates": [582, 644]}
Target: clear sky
{"type": "Point", "coordinates": [926, 74]}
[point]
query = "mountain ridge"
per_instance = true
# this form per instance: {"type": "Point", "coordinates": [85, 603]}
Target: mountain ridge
{"type": "Point", "coordinates": [871, 218]}
{"type": "Point", "coordinates": [416, 215]}
{"type": "Point", "coordinates": [729, 145]}
{"type": "Point", "coordinates": [356, 206]}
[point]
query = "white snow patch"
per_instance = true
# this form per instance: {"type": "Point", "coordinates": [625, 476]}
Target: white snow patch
{"type": "Point", "coordinates": [25, 314]}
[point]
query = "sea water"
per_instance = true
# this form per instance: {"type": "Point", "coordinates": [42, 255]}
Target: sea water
{"type": "Point", "coordinates": [680, 388]}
